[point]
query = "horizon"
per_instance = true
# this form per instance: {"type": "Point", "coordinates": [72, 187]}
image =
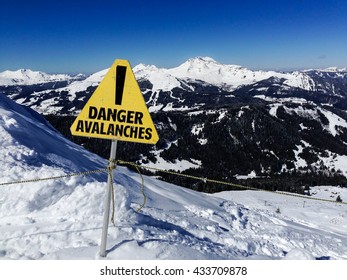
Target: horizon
{"type": "Point", "coordinates": [86, 37]}
{"type": "Point", "coordinates": [259, 69]}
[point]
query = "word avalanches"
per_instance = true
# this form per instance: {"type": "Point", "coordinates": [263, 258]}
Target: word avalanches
{"type": "Point", "coordinates": [113, 122]}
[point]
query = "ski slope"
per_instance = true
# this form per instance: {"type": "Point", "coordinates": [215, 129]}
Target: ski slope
{"type": "Point", "coordinates": [62, 219]}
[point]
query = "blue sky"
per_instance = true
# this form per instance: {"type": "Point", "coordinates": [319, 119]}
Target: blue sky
{"type": "Point", "coordinates": [86, 36]}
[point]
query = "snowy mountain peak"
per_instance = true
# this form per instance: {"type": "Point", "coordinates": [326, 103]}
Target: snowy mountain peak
{"type": "Point", "coordinates": [200, 64]}
{"type": "Point", "coordinates": [202, 59]}
{"type": "Point", "coordinates": [144, 68]}
{"type": "Point", "coordinates": [29, 77]}
{"type": "Point", "coordinates": [25, 71]}
{"type": "Point", "coordinates": [334, 69]}
{"type": "Point", "coordinates": [227, 76]}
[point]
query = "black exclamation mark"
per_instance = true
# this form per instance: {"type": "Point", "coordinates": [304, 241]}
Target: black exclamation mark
{"type": "Point", "coordinates": [120, 79]}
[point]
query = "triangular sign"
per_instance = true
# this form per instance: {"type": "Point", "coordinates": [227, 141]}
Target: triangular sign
{"type": "Point", "coordinates": [117, 109]}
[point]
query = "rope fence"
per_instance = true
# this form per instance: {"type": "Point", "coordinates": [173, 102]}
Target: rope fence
{"type": "Point", "coordinates": [207, 180]}
{"type": "Point", "coordinates": [113, 165]}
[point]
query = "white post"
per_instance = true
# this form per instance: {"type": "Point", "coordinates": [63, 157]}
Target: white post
{"type": "Point", "coordinates": [108, 200]}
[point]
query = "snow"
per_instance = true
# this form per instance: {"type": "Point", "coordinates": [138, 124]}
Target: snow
{"type": "Point", "coordinates": [62, 219]}
{"type": "Point", "coordinates": [338, 162]}
{"type": "Point", "coordinates": [197, 128]}
{"type": "Point", "coordinates": [177, 165]}
{"type": "Point", "coordinates": [241, 112]}
{"type": "Point", "coordinates": [92, 80]}
{"type": "Point", "coordinates": [302, 224]}
{"type": "Point", "coordinates": [202, 141]}
{"type": "Point", "coordinates": [206, 69]}
{"type": "Point", "coordinates": [164, 80]}
{"type": "Point", "coordinates": [160, 79]}
{"type": "Point", "coordinates": [299, 254]}
{"type": "Point", "coordinates": [283, 99]}
{"type": "Point", "coordinates": [300, 162]}
{"type": "Point", "coordinates": [300, 80]}
{"type": "Point", "coordinates": [341, 164]}
{"type": "Point", "coordinates": [303, 127]}
{"type": "Point", "coordinates": [76, 86]}
{"type": "Point", "coordinates": [222, 115]}
{"type": "Point", "coordinates": [273, 109]}
{"type": "Point", "coordinates": [29, 77]}
{"type": "Point", "coordinates": [169, 107]}
{"type": "Point", "coordinates": [195, 113]}
{"type": "Point", "coordinates": [333, 69]}
{"type": "Point", "coordinates": [232, 76]}
{"type": "Point", "coordinates": [251, 175]}
{"type": "Point", "coordinates": [334, 121]}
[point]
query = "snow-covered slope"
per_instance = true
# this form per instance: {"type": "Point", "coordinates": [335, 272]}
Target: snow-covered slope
{"type": "Point", "coordinates": [71, 90]}
{"type": "Point", "coordinates": [160, 78]}
{"type": "Point", "coordinates": [92, 80]}
{"type": "Point", "coordinates": [29, 77]}
{"type": "Point", "coordinates": [62, 219]}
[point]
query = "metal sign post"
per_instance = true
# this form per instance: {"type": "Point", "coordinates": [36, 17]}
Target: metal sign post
{"type": "Point", "coordinates": [108, 200]}
{"type": "Point", "coordinates": [116, 110]}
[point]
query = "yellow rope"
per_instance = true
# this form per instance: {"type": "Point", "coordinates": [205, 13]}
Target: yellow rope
{"type": "Point", "coordinates": [113, 165]}
{"type": "Point", "coordinates": [55, 177]}
{"type": "Point", "coordinates": [142, 185]}
{"type": "Point", "coordinates": [142, 191]}
{"type": "Point", "coordinates": [225, 183]}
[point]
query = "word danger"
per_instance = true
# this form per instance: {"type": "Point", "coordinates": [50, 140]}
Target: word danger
{"type": "Point", "coordinates": [119, 123]}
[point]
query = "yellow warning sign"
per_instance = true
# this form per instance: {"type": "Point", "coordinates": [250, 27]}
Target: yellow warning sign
{"type": "Point", "coordinates": [117, 109]}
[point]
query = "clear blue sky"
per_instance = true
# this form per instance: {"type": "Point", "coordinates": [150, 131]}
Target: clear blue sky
{"type": "Point", "coordinates": [86, 36]}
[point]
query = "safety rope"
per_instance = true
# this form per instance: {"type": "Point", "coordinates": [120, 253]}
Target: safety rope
{"type": "Point", "coordinates": [205, 180]}
{"type": "Point", "coordinates": [55, 177]}
{"type": "Point", "coordinates": [113, 165]}
{"type": "Point", "coordinates": [142, 191]}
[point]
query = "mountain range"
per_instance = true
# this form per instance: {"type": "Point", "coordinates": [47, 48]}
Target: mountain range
{"type": "Point", "coordinates": [29, 77]}
{"type": "Point", "coordinates": [67, 94]}
{"type": "Point", "coordinates": [274, 130]}
{"type": "Point", "coordinates": [198, 75]}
